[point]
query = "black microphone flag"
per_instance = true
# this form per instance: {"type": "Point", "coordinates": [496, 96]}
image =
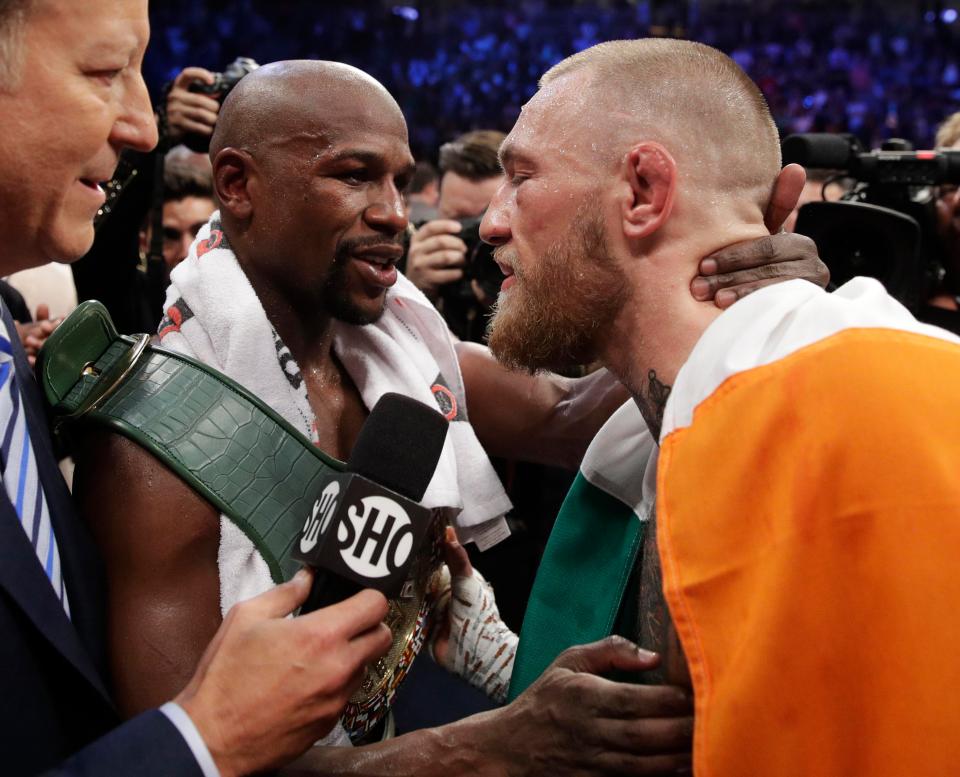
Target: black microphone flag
{"type": "Point", "coordinates": [366, 526]}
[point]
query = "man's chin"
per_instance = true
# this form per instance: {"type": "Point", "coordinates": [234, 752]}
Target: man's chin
{"type": "Point", "coordinates": [66, 243]}
{"type": "Point", "coordinates": [357, 314]}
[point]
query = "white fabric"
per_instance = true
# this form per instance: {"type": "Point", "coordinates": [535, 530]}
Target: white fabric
{"type": "Point", "coordinates": [610, 463]}
{"type": "Point", "coordinates": [182, 721]}
{"type": "Point", "coordinates": [406, 350]}
{"type": "Point", "coordinates": [774, 322]}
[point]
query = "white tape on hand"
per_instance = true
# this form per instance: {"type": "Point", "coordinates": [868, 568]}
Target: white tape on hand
{"type": "Point", "coordinates": [482, 648]}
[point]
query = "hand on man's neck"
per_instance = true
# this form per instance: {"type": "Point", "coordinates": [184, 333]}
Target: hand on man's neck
{"type": "Point", "coordinates": [658, 328]}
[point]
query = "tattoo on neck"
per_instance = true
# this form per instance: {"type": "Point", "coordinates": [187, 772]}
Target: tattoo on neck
{"type": "Point", "coordinates": [651, 401]}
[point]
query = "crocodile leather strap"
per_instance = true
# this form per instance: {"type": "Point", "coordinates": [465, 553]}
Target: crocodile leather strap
{"type": "Point", "coordinates": [236, 452]}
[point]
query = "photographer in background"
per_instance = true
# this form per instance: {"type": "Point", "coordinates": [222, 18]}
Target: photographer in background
{"type": "Point", "coordinates": [188, 202]}
{"type": "Point", "coordinates": [439, 250]}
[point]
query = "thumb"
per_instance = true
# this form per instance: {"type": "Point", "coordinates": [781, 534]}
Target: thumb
{"type": "Point", "coordinates": [43, 312]}
{"type": "Point", "coordinates": [456, 555]}
{"type": "Point", "coordinates": [607, 655]}
{"type": "Point", "coordinates": [786, 194]}
{"type": "Point", "coordinates": [284, 599]}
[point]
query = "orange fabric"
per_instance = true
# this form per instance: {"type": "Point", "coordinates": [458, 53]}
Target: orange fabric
{"type": "Point", "coordinates": [809, 530]}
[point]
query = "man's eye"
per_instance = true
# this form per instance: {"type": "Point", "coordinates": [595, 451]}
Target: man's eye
{"type": "Point", "coordinates": [353, 176]}
{"type": "Point", "coordinates": [107, 75]}
{"type": "Point", "coordinates": [516, 180]}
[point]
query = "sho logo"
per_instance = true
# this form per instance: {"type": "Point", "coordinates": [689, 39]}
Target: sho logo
{"type": "Point", "coordinates": [377, 539]}
{"type": "Point", "coordinates": [319, 518]}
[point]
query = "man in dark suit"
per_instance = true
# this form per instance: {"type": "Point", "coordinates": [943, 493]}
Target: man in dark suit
{"type": "Point", "coordinates": [71, 97]}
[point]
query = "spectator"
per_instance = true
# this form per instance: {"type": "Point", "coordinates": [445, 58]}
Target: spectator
{"type": "Point", "coordinates": [423, 193]}
{"type": "Point", "coordinates": [438, 253]}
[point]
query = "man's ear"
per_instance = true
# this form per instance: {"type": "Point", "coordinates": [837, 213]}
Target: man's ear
{"type": "Point", "coordinates": [232, 168]}
{"type": "Point", "coordinates": [652, 178]}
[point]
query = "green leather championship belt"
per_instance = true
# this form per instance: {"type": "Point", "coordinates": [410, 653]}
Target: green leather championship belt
{"type": "Point", "coordinates": [232, 449]}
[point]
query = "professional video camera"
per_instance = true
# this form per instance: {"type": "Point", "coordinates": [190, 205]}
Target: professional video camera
{"type": "Point", "coordinates": [885, 225]}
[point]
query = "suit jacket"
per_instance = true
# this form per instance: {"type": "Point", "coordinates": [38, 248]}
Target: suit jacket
{"type": "Point", "coordinates": [56, 714]}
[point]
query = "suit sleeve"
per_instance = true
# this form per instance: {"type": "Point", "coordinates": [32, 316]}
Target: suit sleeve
{"type": "Point", "coordinates": [149, 745]}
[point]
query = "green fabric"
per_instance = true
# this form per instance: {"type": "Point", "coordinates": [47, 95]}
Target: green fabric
{"type": "Point", "coordinates": [233, 450]}
{"type": "Point", "coordinates": [581, 580]}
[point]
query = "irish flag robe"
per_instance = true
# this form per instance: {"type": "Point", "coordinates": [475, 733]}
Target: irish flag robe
{"type": "Point", "coordinates": [808, 509]}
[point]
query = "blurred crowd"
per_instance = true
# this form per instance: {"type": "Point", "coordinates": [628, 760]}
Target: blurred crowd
{"type": "Point", "coordinates": [874, 69]}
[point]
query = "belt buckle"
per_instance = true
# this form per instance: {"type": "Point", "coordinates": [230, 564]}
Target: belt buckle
{"type": "Point", "coordinates": [111, 379]}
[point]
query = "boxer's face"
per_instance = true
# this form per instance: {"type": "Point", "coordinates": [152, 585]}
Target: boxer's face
{"type": "Point", "coordinates": [335, 210]}
{"type": "Point", "coordinates": [79, 101]}
{"type": "Point", "coordinates": [547, 220]}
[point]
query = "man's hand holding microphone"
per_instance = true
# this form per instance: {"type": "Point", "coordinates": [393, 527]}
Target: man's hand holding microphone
{"type": "Point", "coordinates": [270, 686]}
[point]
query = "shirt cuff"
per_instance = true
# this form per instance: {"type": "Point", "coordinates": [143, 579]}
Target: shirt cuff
{"type": "Point", "coordinates": [179, 717]}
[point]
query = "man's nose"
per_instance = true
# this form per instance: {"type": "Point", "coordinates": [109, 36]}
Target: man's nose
{"type": "Point", "coordinates": [495, 226]}
{"type": "Point", "coordinates": [135, 127]}
{"type": "Point", "coordinates": [183, 251]}
{"type": "Point", "coordinates": [388, 213]}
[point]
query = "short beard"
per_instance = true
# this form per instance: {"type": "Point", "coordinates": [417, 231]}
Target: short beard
{"type": "Point", "coordinates": [336, 300]}
{"type": "Point", "coordinates": [551, 317]}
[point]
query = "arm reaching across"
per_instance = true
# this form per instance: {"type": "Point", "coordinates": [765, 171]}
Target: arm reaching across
{"type": "Point", "coordinates": [569, 723]}
{"type": "Point", "coordinates": [544, 418]}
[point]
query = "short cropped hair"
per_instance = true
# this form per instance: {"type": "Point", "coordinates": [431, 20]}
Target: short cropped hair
{"type": "Point", "coordinates": [13, 15]}
{"type": "Point", "coordinates": [185, 178]}
{"type": "Point", "coordinates": [948, 133]}
{"type": "Point", "coordinates": [473, 155]}
{"type": "Point", "coordinates": [693, 99]}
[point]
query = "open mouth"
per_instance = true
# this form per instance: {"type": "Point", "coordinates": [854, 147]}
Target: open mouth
{"type": "Point", "coordinates": [378, 265]}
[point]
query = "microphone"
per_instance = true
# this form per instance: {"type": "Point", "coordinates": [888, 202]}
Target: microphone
{"type": "Point", "coordinates": [366, 526]}
{"type": "Point", "coordinates": [820, 149]}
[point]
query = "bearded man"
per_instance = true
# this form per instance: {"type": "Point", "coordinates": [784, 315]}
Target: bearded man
{"type": "Point", "coordinates": [292, 290]}
{"type": "Point", "coordinates": [800, 449]}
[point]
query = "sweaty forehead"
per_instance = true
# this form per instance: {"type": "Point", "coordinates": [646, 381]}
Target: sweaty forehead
{"type": "Point", "coordinates": [292, 104]}
{"type": "Point", "coordinates": [560, 121]}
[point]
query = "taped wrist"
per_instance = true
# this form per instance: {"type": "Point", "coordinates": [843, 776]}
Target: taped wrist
{"type": "Point", "coordinates": [482, 647]}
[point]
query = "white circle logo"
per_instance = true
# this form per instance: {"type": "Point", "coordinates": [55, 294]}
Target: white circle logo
{"type": "Point", "coordinates": [377, 539]}
{"type": "Point", "coordinates": [319, 518]}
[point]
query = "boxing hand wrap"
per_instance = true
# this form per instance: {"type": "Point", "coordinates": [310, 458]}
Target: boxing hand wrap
{"type": "Point", "coordinates": [482, 647]}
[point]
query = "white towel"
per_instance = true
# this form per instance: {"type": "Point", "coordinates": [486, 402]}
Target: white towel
{"type": "Point", "coordinates": [213, 314]}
